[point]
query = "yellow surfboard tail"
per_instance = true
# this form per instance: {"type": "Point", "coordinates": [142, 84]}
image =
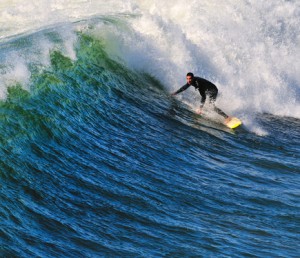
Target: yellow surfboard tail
{"type": "Point", "coordinates": [234, 122]}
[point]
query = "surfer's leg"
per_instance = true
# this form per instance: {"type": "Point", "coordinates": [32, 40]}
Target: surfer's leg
{"type": "Point", "coordinates": [220, 112]}
{"type": "Point", "coordinates": [212, 100]}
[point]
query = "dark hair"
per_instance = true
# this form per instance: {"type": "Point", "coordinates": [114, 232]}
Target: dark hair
{"type": "Point", "coordinates": [190, 74]}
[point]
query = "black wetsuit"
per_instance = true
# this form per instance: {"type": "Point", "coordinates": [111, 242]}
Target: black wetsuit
{"type": "Point", "coordinates": [206, 89]}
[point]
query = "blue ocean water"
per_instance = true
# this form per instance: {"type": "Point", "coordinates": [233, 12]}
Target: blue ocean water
{"type": "Point", "coordinates": [98, 160]}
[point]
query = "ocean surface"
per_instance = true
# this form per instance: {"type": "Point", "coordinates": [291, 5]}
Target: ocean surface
{"type": "Point", "coordinates": [98, 160]}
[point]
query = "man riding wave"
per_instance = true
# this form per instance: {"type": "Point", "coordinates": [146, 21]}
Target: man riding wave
{"type": "Point", "coordinates": [206, 89]}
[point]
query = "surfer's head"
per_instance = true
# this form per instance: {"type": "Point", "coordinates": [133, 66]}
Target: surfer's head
{"type": "Point", "coordinates": [189, 78]}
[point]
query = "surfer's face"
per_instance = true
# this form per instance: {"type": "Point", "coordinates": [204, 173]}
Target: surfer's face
{"type": "Point", "coordinates": [189, 79]}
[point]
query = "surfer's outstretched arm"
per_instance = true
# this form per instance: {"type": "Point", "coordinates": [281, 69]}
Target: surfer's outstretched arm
{"type": "Point", "coordinates": [183, 88]}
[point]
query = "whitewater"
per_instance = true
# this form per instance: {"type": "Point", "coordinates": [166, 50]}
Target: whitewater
{"type": "Point", "coordinates": [97, 158]}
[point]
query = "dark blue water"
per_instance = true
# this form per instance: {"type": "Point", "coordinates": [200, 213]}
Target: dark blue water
{"type": "Point", "coordinates": [97, 160]}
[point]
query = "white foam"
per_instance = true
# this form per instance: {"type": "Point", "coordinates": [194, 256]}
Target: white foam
{"type": "Point", "coordinates": [24, 54]}
{"type": "Point", "coordinates": [13, 73]}
{"type": "Point", "coordinates": [17, 16]}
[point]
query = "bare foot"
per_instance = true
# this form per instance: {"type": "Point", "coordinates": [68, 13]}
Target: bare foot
{"type": "Point", "coordinates": [227, 119]}
{"type": "Point", "coordinates": [199, 111]}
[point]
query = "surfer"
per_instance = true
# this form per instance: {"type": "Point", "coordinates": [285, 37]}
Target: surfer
{"type": "Point", "coordinates": [206, 89]}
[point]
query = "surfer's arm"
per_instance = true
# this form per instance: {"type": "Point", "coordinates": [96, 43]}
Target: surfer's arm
{"type": "Point", "coordinates": [183, 88]}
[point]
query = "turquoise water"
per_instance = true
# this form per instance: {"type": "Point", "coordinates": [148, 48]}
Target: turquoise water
{"type": "Point", "coordinates": [97, 160]}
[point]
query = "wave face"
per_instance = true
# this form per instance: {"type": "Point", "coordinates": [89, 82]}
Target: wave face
{"type": "Point", "coordinates": [98, 160]}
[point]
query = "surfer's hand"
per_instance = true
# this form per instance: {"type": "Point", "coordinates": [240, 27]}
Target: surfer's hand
{"type": "Point", "coordinates": [173, 94]}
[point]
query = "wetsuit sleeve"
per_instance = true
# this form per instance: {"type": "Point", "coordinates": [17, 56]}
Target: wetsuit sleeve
{"type": "Point", "coordinates": [183, 88]}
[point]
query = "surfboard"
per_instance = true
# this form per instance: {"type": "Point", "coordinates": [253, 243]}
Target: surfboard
{"type": "Point", "coordinates": [234, 122]}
